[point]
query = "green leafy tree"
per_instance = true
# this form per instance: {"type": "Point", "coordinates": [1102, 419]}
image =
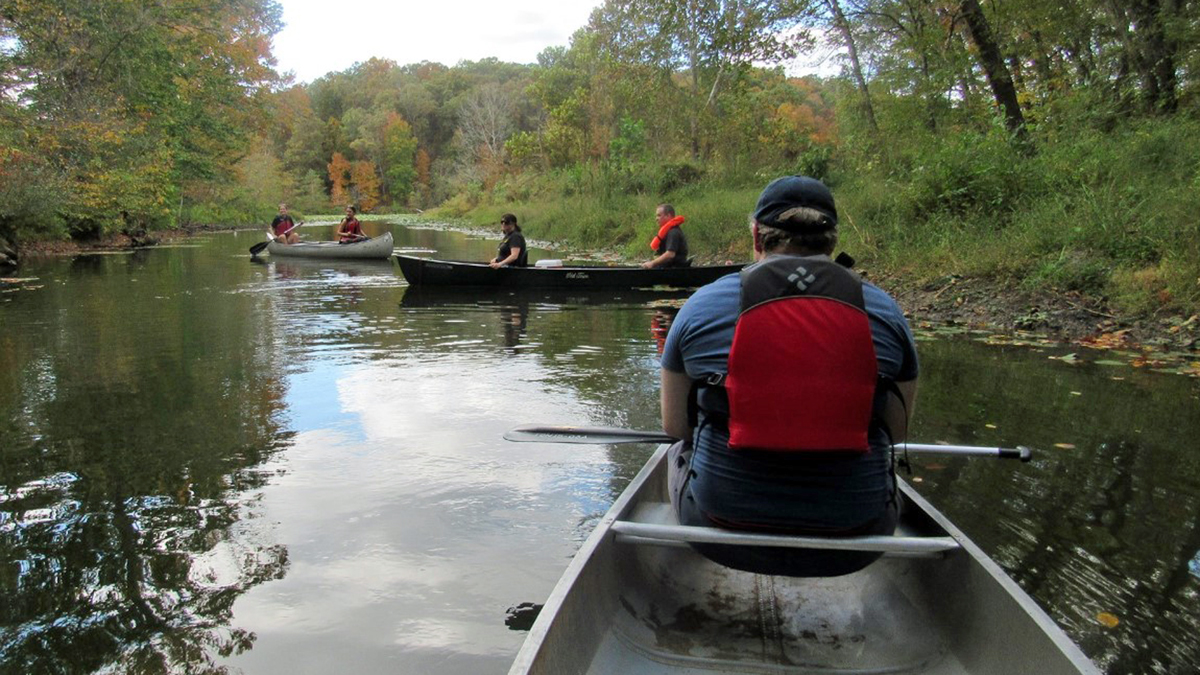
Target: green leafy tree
{"type": "Point", "coordinates": [132, 101]}
{"type": "Point", "coordinates": [399, 159]}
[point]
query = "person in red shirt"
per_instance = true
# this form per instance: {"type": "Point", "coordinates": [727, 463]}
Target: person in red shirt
{"type": "Point", "coordinates": [283, 227]}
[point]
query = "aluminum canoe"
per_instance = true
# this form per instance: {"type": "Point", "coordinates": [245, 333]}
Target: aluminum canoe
{"type": "Point", "coordinates": [432, 272]}
{"type": "Point", "coordinates": [375, 248]}
{"type": "Point", "coordinates": [637, 600]}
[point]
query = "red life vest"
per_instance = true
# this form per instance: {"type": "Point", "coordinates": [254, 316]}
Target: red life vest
{"type": "Point", "coordinates": [351, 229]}
{"type": "Point", "coordinates": [802, 369]}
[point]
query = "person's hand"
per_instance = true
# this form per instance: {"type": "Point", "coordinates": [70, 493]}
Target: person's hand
{"type": "Point", "coordinates": [649, 264]}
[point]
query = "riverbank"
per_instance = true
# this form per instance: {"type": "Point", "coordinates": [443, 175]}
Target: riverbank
{"type": "Point", "coordinates": [998, 307]}
{"type": "Point", "coordinates": [1004, 308]}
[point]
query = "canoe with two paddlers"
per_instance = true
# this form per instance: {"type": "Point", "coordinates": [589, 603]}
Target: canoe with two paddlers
{"type": "Point", "coordinates": [432, 272]}
{"type": "Point", "coordinates": [375, 248]}
{"type": "Point", "coordinates": [637, 599]}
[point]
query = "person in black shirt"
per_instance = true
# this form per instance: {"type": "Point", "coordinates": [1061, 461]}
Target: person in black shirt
{"type": "Point", "coordinates": [512, 249]}
{"type": "Point", "coordinates": [670, 246]}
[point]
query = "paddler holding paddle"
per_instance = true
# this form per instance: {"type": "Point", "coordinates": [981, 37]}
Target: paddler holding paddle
{"type": "Point", "coordinates": [670, 246]}
{"type": "Point", "coordinates": [283, 227]}
{"type": "Point", "coordinates": [350, 230]}
{"type": "Point", "coordinates": [794, 415]}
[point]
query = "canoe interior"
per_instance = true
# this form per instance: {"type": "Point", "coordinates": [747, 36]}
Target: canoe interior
{"type": "Point", "coordinates": [637, 608]}
{"type": "Point", "coordinates": [432, 272]}
{"type": "Point", "coordinates": [376, 248]}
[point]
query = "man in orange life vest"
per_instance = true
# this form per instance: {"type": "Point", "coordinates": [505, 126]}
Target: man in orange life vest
{"type": "Point", "coordinates": [670, 246]}
{"type": "Point", "coordinates": [788, 383]}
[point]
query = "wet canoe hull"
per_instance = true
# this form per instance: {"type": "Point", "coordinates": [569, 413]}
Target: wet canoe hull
{"type": "Point", "coordinates": [628, 606]}
{"type": "Point", "coordinates": [375, 248]}
{"type": "Point", "coordinates": [431, 272]}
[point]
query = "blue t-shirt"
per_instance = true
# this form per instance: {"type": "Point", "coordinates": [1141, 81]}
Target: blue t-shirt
{"type": "Point", "coordinates": [804, 491]}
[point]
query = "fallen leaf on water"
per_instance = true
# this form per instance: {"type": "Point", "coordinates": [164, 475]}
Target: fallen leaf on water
{"type": "Point", "coordinates": [917, 479]}
{"type": "Point", "coordinates": [1107, 340]}
{"type": "Point", "coordinates": [1117, 378]}
{"type": "Point", "coordinates": [1065, 446]}
{"type": "Point", "coordinates": [1108, 620]}
{"type": "Point", "coordinates": [990, 426]}
{"type": "Point", "coordinates": [1066, 358]}
{"type": "Point", "coordinates": [1077, 393]}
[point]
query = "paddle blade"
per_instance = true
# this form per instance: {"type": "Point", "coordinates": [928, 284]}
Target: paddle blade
{"type": "Point", "coordinates": [533, 433]}
{"type": "Point", "coordinates": [259, 247]}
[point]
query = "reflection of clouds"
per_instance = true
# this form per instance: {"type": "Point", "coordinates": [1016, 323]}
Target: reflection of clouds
{"type": "Point", "coordinates": [416, 529]}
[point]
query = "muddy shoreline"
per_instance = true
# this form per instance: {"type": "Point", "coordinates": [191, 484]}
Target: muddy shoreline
{"type": "Point", "coordinates": [997, 306]}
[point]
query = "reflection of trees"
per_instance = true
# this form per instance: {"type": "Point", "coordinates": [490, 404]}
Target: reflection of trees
{"type": "Point", "coordinates": [127, 442]}
{"type": "Point", "coordinates": [1108, 526]}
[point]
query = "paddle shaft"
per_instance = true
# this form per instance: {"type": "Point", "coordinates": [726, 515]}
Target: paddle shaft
{"type": "Point", "coordinates": [533, 433]}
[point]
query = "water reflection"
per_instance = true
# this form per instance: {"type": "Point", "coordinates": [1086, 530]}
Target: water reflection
{"type": "Point", "coordinates": [1099, 528]}
{"type": "Point", "coordinates": [660, 325]}
{"type": "Point", "coordinates": [512, 306]}
{"type": "Point", "coordinates": [178, 427]}
{"type": "Point", "coordinates": [124, 537]}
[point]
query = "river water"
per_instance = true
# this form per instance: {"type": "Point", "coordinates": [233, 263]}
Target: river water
{"type": "Point", "coordinates": [212, 464]}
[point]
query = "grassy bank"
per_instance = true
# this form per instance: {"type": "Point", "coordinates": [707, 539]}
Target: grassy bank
{"type": "Point", "coordinates": [1108, 214]}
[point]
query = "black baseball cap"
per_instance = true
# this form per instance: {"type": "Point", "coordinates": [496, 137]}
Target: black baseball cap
{"type": "Point", "coordinates": [788, 192]}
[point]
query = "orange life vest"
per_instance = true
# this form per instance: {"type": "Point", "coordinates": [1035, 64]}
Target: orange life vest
{"type": "Point", "coordinates": [662, 231]}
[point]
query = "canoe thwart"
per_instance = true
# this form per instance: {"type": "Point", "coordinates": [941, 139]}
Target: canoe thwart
{"type": "Point", "coordinates": [653, 523]}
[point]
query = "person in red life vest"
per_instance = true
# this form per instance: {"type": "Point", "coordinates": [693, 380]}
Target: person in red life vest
{"type": "Point", "coordinates": [512, 250]}
{"type": "Point", "coordinates": [800, 376]}
{"type": "Point", "coordinates": [283, 227]}
{"type": "Point", "coordinates": [349, 230]}
{"type": "Point", "coordinates": [670, 246]}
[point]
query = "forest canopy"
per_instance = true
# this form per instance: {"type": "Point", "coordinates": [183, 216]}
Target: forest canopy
{"type": "Point", "coordinates": [948, 118]}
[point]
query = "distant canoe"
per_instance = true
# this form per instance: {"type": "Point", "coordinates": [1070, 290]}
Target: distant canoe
{"type": "Point", "coordinates": [376, 248]}
{"type": "Point", "coordinates": [431, 272]}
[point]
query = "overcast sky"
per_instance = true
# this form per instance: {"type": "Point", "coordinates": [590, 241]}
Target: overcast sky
{"type": "Point", "coordinates": [323, 36]}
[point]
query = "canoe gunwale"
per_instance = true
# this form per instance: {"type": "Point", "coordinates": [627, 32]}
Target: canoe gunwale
{"type": "Point", "coordinates": [433, 272]}
{"type": "Point", "coordinates": [637, 530]}
{"type": "Point", "coordinates": [986, 623]}
{"type": "Point", "coordinates": [379, 247]}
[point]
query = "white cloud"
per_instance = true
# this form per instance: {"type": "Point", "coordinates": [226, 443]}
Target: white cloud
{"type": "Point", "coordinates": [322, 37]}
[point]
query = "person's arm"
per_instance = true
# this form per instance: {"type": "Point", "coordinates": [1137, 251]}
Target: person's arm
{"type": "Point", "coordinates": [513, 254]}
{"type": "Point", "coordinates": [659, 261]}
{"type": "Point", "coordinates": [676, 387]}
{"type": "Point", "coordinates": [899, 411]}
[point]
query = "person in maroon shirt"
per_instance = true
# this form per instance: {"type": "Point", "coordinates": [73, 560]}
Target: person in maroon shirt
{"type": "Point", "coordinates": [350, 230]}
{"type": "Point", "coordinates": [283, 227]}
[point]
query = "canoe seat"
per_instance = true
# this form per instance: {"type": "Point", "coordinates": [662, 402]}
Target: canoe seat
{"type": "Point", "coordinates": [655, 523]}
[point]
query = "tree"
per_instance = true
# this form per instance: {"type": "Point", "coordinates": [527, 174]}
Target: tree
{"type": "Point", "coordinates": [842, 24]}
{"type": "Point", "coordinates": [990, 59]}
{"type": "Point", "coordinates": [399, 159]}
{"type": "Point", "coordinates": [709, 41]}
{"type": "Point", "coordinates": [339, 180]}
{"type": "Point", "coordinates": [364, 185]}
{"type": "Point", "coordinates": [132, 101]}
